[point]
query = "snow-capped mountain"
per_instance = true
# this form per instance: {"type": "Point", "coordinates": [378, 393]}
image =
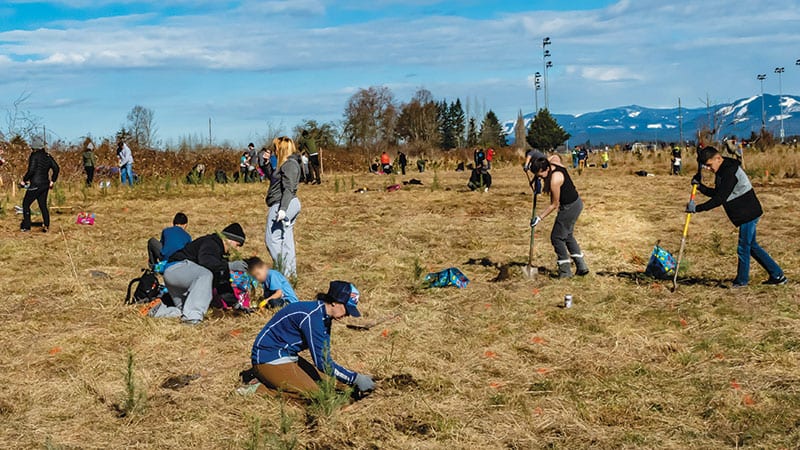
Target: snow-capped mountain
{"type": "Point", "coordinates": [637, 123]}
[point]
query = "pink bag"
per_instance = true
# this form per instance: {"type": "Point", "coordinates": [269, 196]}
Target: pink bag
{"type": "Point", "coordinates": [85, 218]}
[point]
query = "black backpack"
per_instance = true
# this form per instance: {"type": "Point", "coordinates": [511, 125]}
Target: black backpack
{"type": "Point", "coordinates": [148, 288]}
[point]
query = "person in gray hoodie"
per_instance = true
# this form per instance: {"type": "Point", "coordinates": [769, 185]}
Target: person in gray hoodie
{"type": "Point", "coordinates": [284, 207]}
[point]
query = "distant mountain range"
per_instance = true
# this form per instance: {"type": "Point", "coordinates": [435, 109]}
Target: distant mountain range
{"type": "Point", "coordinates": [637, 123]}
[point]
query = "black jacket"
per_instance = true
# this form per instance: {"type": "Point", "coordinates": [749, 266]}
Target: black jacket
{"type": "Point", "coordinates": [209, 252]}
{"type": "Point", "coordinates": [734, 192]}
{"type": "Point", "coordinates": [40, 164]}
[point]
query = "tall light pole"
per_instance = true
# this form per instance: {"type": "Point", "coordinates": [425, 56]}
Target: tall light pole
{"type": "Point", "coordinates": [779, 71]}
{"type": "Point", "coordinates": [545, 55]}
{"type": "Point", "coordinates": [761, 77]}
{"type": "Point", "coordinates": [537, 86]}
{"type": "Point", "coordinates": [547, 67]}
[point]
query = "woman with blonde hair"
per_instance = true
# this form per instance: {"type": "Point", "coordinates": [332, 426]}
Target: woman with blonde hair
{"type": "Point", "coordinates": [284, 207]}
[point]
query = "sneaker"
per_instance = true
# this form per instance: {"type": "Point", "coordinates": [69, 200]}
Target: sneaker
{"type": "Point", "coordinates": [582, 273]}
{"type": "Point", "coordinates": [776, 281]}
{"type": "Point", "coordinates": [738, 286]}
{"type": "Point", "coordinates": [25, 230]}
{"type": "Point", "coordinates": [44, 229]}
{"type": "Point", "coordinates": [191, 323]}
{"type": "Point", "coordinates": [248, 390]}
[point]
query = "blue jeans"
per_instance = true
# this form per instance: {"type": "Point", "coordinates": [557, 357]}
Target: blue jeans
{"type": "Point", "coordinates": [749, 247]}
{"type": "Point", "coordinates": [126, 172]}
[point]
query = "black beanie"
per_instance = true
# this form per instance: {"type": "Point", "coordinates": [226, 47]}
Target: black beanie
{"type": "Point", "coordinates": [234, 232]}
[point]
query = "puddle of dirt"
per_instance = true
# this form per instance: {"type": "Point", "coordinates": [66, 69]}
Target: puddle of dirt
{"type": "Point", "coordinates": [177, 382]}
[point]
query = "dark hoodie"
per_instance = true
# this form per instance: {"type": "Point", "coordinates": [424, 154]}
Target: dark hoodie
{"type": "Point", "coordinates": [40, 164]}
{"type": "Point", "coordinates": [209, 252]}
{"type": "Point", "coordinates": [284, 183]}
{"type": "Point", "coordinates": [734, 192]}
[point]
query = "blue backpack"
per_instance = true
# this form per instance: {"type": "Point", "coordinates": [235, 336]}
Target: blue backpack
{"type": "Point", "coordinates": [662, 264]}
{"type": "Point", "coordinates": [447, 277]}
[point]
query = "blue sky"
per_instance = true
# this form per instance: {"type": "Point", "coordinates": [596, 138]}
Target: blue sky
{"type": "Point", "coordinates": [253, 65]}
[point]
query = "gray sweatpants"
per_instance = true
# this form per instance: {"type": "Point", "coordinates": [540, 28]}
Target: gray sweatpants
{"type": "Point", "coordinates": [280, 237]}
{"type": "Point", "coordinates": [562, 236]}
{"type": "Point", "coordinates": [190, 286]}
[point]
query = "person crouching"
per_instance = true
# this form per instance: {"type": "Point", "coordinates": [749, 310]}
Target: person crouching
{"type": "Point", "coordinates": [192, 274]}
{"type": "Point", "coordinates": [305, 326]}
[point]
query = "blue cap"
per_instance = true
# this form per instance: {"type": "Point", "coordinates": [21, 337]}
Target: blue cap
{"type": "Point", "coordinates": [345, 293]}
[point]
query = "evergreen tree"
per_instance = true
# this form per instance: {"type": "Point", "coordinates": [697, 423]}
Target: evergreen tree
{"type": "Point", "coordinates": [446, 126]}
{"type": "Point", "coordinates": [457, 122]}
{"type": "Point", "coordinates": [492, 134]}
{"type": "Point", "coordinates": [545, 133]}
{"type": "Point", "coordinates": [472, 133]}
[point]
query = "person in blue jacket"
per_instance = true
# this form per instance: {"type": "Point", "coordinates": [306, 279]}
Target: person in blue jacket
{"type": "Point", "coordinates": [173, 238]}
{"type": "Point", "coordinates": [306, 326]}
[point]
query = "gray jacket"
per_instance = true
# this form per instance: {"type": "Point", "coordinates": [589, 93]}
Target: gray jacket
{"type": "Point", "coordinates": [284, 182]}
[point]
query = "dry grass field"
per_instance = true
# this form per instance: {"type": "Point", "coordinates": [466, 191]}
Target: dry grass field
{"type": "Point", "coordinates": [496, 365]}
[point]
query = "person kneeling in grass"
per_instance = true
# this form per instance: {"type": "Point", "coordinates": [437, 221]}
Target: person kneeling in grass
{"type": "Point", "coordinates": [734, 192]}
{"type": "Point", "coordinates": [300, 326]}
{"type": "Point", "coordinates": [278, 291]}
{"type": "Point", "coordinates": [564, 198]}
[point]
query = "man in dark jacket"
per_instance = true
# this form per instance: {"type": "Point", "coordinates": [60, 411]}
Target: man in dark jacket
{"type": "Point", "coordinates": [193, 273]}
{"type": "Point", "coordinates": [734, 192]}
{"type": "Point", "coordinates": [38, 181]}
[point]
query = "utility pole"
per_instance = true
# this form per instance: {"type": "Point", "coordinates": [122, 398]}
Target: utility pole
{"type": "Point", "coordinates": [546, 64]}
{"type": "Point", "coordinates": [761, 77]}
{"type": "Point", "coordinates": [680, 123]}
{"type": "Point", "coordinates": [779, 71]}
{"type": "Point", "coordinates": [209, 132]}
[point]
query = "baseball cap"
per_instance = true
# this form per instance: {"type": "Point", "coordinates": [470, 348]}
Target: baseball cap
{"type": "Point", "coordinates": [345, 293]}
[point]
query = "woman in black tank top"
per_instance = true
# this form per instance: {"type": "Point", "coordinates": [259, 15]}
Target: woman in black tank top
{"type": "Point", "coordinates": [564, 198]}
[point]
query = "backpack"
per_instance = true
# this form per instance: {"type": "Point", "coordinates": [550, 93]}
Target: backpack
{"type": "Point", "coordinates": [221, 177]}
{"type": "Point", "coordinates": [447, 277]}
{"type": "Point", "coordinates": [148, 288]}
{"type": "Point", "coordinates": [662, 264]}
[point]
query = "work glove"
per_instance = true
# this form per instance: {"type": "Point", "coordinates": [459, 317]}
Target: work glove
{"type": "Point", "coordinates": [237, 266]}
{"type": "Point", "coordinates": [281, 215]}
{"type": "Point", "coordinates": [527, 167]}
{"type": "Point", "coordinates": [697, 179]}
{"type": "Point", "coordinates": [536, 221]}
{"type": "Point", "coordinates": [364, 383]}
{"type": "Point", "coordinates": [691, 207]}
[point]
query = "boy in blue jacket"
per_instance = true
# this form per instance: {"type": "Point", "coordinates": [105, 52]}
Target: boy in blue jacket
{"type": "Point", "coordinates": [306, 326]}
{"type": "Point", "coordinates": [172, 239]}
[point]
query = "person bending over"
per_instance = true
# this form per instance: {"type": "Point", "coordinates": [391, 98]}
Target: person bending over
{"type": "Point", "coordinates": [305, 326]}
{"type": "Point", "coordinates": [194, 272]}
{"type": "Point", "coordinates": [734, 192]}
{"type": "Point", "coordinates": [564, 198]}
{"type": "Point", "coordinates": [173, 238]}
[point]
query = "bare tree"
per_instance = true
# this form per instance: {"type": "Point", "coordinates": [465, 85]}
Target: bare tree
{"type": "Point", "coordinates": [19, 121]}
{"type": "Point", "coordinates": [142, 126]}
{"type": "Point", "coordinates": [370, 117]}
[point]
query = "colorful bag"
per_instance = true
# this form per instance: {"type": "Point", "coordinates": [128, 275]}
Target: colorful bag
{"type": "Point", "coordinates": [662, 264]}
{"type": "Point", "coordinates": [85, 218]}
{"type": "Point", "coordinates": [447, 277]}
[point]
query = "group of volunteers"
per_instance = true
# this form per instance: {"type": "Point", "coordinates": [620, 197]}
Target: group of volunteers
{"type": "Point", "coordinates": [732, 190]}
{"type": "Point", "coordinates": [204, 272]}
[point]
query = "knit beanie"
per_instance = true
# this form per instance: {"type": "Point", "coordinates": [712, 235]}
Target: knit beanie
{"type": "Point", "coordinates": [234, 232]}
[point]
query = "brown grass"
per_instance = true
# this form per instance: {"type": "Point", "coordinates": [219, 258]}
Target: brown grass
{"type": "Point", "coordinates": [497, 365]}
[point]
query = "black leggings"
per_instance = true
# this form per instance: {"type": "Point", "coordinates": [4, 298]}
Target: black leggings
{"type": "Point", "coordinates": [38, 194]}
{"type": "Point", "coordinates": [89, 175]}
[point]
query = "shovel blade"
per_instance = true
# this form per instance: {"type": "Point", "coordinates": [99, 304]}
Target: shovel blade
{"type": "Point", "coordinates": [530, 271]}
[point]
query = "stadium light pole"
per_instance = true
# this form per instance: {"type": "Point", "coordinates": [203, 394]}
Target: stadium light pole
{"type": "Point", "coordinates": [537, 86]}
{"type": "Point", "coordinates": [545, 54]}
{"type": "Point", "coordinates": [548, 66]}
{"type": "Point", "coordinates": [779, 71]}
{"type": "Point", "coordinates": [761, 77]}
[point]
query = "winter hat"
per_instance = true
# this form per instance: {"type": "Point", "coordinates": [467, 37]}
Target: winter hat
{"type": "Point", "coordinates": [37, 143]}
{"type": "Point", "coordinates": [234, 232]}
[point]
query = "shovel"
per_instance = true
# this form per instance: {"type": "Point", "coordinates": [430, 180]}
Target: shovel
{"type": "Point", "coordinates": [683, 240]}
{"type": "Point", "coordinates": [530, 271]}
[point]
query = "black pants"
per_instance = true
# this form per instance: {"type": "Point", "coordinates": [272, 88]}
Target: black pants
{"type": "Point", "coordinates": [153, 251]}
{"type": "Point", "coordinates": [403, 168]}
{"type": "Point", "coordinates": [89, 175]}
{"type": "Point", "coordinates": [39, 194]}
{"type": "Point", "coordinates": [313, 163]}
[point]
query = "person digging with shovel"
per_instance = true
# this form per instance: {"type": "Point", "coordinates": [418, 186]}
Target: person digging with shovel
{"type": "Point", "coordinates": [734, 192]}
{"type": "Point", "coordinates": [564, 198]}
